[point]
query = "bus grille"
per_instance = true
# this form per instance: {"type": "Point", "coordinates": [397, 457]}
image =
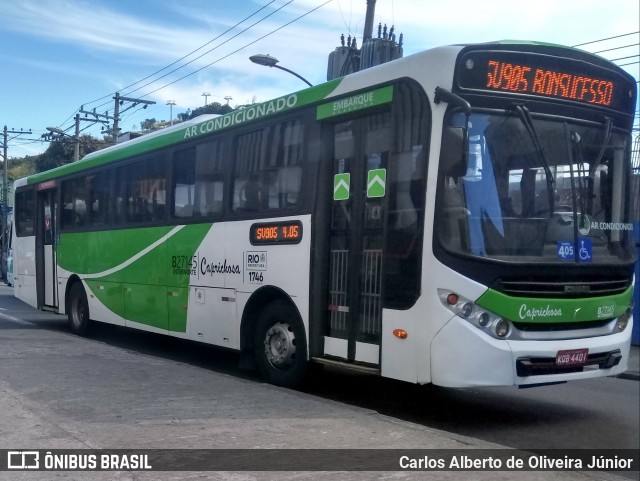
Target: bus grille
{"type": "Point", "coordinates": [549, 288]}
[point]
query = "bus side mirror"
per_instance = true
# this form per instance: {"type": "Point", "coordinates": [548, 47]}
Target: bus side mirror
{"type": "Point", "coordinates": [454, 151]}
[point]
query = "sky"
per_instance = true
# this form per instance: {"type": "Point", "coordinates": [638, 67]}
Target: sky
{"type": "Point", "coordinates": [58, 56]}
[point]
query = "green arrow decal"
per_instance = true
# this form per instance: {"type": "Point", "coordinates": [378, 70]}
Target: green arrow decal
{"type": "Point", "coordinates": [341, 186]}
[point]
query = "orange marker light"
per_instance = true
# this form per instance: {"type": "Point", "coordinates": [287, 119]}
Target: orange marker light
{"type": "Point", "coordinates": [400, 333]}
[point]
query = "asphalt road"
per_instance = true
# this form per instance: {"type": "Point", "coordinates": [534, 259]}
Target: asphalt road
{"type": "Point", "coordinates": [123, 388]}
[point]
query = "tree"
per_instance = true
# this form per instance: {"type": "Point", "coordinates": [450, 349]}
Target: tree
{"type": "Point", "coordinates": [61, 151]}
{"type": "Point", "coordinates": [212, 108]}
{"type": "Point", "coordinates": [147, 124]}
{"type": "Point", "coordinates": [21, 167]}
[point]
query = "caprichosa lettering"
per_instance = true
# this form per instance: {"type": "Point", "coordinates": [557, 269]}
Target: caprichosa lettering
{"type": "Point", "coordinates": [532, 313]}
{"type": "Point", "coordinates": [218, 267]}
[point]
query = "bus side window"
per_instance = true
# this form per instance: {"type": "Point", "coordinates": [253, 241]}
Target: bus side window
{"type": "Point", "coordinates": [183, 183]}
{"type": "Point", "coordinates": [268, 172]}
{"type": "Point", "coordinates": [288, 181]}
{"type": "Point", "coordinates": [198, 181]}
{"type": "Point", "coordinates": [24, 217]}
{"type": "Point", "coordinates": [74, 204]}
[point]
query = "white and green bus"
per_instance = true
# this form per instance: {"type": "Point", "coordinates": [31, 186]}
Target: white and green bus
{"type": "Point", "coordinates": [458, 217]}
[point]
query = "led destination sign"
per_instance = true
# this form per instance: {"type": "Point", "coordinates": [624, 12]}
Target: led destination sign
{"type": "Point", "coordinates": [539, 81]}
{"type": "Point", "coordinates": [543, 75]}
{"type": "Point", "coordinates": [276, 233]}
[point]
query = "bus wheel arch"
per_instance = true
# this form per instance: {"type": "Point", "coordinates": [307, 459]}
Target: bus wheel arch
{"type": "Point", "coordinates": [77, 307]}
{"type": "Point", "coordinates": [273, 330]}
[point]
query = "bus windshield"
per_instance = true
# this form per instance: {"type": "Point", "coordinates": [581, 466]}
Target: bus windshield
{"type": "Point", "coordinates": [537, 190]}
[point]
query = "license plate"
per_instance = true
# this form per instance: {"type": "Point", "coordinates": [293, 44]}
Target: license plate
{"type": "Point", "coordinates": [572, 357]}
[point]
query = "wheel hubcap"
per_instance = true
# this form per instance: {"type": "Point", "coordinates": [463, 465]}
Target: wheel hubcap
{"type": "Point", "coordinates": [279, 345]}
{"type": "Point", "coordinates": [77, 312]}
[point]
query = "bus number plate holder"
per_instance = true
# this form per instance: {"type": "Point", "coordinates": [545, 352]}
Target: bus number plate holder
{"type": "Point", "coordinates": [572, 357]}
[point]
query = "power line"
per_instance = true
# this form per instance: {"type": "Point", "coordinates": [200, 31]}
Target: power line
{"type": "Point", "coordinates": [239, 49]}
{"type": "Point", "coordinates": [211, 50]}
{"type": "Point", "coordinates": [190, 53]}
{"type": "Point", "coordinates": [623, 58]}
{"type": "Point", "coordinates": [604, 39]}
{"type": "Point", "coordinates": [616, 48]}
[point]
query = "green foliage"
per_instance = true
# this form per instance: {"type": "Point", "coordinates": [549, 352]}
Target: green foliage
{"type": "Point", "coordinates": [21, 167]}
{"type": "Point", "coordinates": [147, 124]}
{"type": "Point", "coordinates": [58, 153]}
{"type": "Point", "coordinates": [212, 108]}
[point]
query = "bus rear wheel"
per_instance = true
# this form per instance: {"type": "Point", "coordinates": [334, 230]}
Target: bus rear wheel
{"type": "Point", "coordinates": [280, 345]}
{"type": "Point", "coordinates": [78, 310]}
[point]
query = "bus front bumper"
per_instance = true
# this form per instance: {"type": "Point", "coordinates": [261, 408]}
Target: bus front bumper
{"type": "Point", "coordinates": [464, 356]}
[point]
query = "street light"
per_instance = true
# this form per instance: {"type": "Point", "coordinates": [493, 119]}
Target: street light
{"type": "Point", "coordinates": [76, 139]}
{"type": "Point", "coordinates": [56, 130]}
{"type": "Point", "coordinates": [171, 103]}
{"type": "Point", "coordinates": [269, 61]}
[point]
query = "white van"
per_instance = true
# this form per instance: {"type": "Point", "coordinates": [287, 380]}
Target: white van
{"type": "Point", "coordinates": [10, 255]}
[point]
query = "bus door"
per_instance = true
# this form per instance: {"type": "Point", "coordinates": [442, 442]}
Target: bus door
{"type": "Point", "coordinates": [46, 275]}
{"type": "Point", "coordinates": [354, 314]}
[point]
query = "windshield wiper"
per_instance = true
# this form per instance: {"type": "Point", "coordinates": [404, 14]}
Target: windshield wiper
{"type": "Point", "coordinates": [584, 190]}
{"type": "Point", "coordinates": [525, 117]}
{"type": "Point", "coordinates": [586, 180]}
{"type": "Point", "coordinates": [608, 127]}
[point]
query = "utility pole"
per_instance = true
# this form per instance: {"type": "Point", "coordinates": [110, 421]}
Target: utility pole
{"type": "Point", "coordinates": [368, 21]}
{"type": "Point", "coordinates": [227, 98]}
{"type": "Point", "coordinates": [55, 134]}
{"type": "Point", "coordinates": [205, 95]}
{"type": "Point", "coordinates": [5, 195]}
{"type": "Point", "coordinates": [117, 111]}
{"type": "Point", "coordinates": [76, 146]}
{"type": "Point", "coordinates": [102, 118]}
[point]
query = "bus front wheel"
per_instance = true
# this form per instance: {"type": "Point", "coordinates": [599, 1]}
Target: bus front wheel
{"type": "Point", "coordinates": [280, 345]}
{"type": "Point", "coordinates": [78, 310]}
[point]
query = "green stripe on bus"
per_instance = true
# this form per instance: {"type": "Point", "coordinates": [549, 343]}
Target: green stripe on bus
{"type": "Point", "coordinates": [548, 310]}
{"type": "Point", "coordinates": [173, 136]}
{"type": "Point", "coordinates": [137, 290]}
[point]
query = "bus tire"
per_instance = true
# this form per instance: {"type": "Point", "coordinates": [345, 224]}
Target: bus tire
{"type": "Point", "coordinates": [78, 310]}
{"type": "Point", "coordinates": [280, 345]}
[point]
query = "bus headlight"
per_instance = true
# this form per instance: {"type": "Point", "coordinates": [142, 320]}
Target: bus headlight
{"type": "Point", "coordinates": [623, 320]}
{"type": "Point", "coordinates": [501, 328]}
{"type": "Point", "coordinates": [483, 319]}
{"type": "Point", "coordinates": [466, 309]}
{"type": "Point", "coordinates": [486, 321]}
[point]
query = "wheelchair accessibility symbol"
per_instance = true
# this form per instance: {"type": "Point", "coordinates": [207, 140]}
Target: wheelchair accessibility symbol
{"type": "Point", "coordinates": [585, 251]}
